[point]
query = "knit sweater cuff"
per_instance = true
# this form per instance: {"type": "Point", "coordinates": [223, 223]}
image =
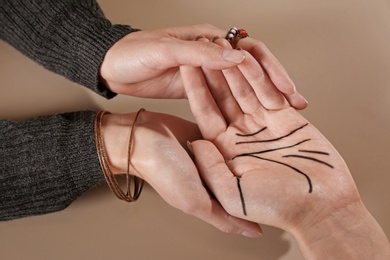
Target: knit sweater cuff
{"type": "Point", "coordinates": [69, 37]}
{"type": "Point", "coordinates": [48, 162]}
{"type": "Point", "coordinates": [91, 52]}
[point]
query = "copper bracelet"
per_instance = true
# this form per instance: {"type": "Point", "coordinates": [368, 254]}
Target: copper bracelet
{"type": "Point", "coordinates": [105, 165]}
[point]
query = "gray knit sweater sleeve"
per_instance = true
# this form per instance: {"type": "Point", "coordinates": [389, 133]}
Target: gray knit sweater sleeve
{"type": "Point", "coordinates": [68, 37]}
{"type": "Point", "coordinates": [46, 163]}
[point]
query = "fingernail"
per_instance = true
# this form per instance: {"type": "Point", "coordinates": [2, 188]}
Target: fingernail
{"type": "Point", "coordinates": [233, 55]}
{"type": "Point", "coordinates": [189, 146]}
{"type": "Point", "coordinates": [251, 234]}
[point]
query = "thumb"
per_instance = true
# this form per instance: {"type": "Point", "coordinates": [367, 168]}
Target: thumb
{"type": "Point", "coordinates": [216, 175]}
{"type": "Point", "coordinates": [218, 178]}
{"type": "Point", "coordinates": [203, 54]}
{"type": "Point", "coordinates": [209, 159]}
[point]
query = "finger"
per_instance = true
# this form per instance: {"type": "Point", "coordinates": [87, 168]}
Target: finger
{"type": "Point", "coordinates": [189, 32]}
{"type": "Point", "coordinates": [253, 76]}
{"type": "Point", "coordinates": [215, 215]}
{"type": "Point", "coordinates": [276, 72]}
{"type": "Point", "coordinates": [242, 91]}
{"type": "Point", "coordinates": [214, 53]}
{"type": "Point", "coordinates": [220, 91]}
{"type": "Point", "coordinates": [222, 95]}
{"type": "Point", "coordinates": [239, 86]}
{"type": "Point", "coordinates": [198, 54]}
{"type": "Point", "coordinates": [258, 49]}
{"type": "Point", "coordinates": [297, 101]}
{"type": "Point", "coordinates": [267, 93]}
{"type": "Point", "coordinates": [218, 178]}
{"type": "Point", "coordinates": [207, 114]}
{"type": "Point", "coordinates": [262, 54]}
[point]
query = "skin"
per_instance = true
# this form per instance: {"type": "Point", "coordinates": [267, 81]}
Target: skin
{"type": "Point", "coordinates": [160, 157]}
{"type": "Point", "coordinates": [146, 63]}
{"type": "Point", "coordinates": [332, 215]}
{"type": "Point", "coordinates": [331, 222]}
{"type": "Point", "coordinates": [239, 98]}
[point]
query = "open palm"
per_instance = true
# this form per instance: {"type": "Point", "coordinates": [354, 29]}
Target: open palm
{"type": "Point", "coordinates": [272, 167]}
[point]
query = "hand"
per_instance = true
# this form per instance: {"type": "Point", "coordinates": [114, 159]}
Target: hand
{"type": "Point", "coordinates": [146, 63]}
{"type": "Point", "coordinates": [273, 71]}
{"type": "Point", "coordinates": [160, 158]}
{"type": "Point", "coordinates": [274, 167]}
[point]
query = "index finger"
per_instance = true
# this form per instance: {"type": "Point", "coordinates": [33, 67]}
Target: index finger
{"type": "Point", "coordinates": [203, 106]}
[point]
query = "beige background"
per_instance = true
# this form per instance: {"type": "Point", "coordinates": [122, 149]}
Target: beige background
{"type": "Point", "coordinates": [337, 52]}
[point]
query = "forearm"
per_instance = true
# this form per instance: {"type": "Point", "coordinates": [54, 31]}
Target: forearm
{"type": "Point", "coordinates": [68, 37]}
{"type": "Point", "coordinates": [46, 163]}
{"type": "Point", "coordinates": [351, 233]}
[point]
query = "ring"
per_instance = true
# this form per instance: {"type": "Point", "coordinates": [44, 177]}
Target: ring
{"type": "Point", "coordinates": [234, 35]}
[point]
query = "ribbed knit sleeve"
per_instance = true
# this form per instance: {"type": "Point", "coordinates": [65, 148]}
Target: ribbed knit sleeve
{"type": "Point", "coordinates": [68, 37]}
{"type": "Point", "coordinates": [46, 163]}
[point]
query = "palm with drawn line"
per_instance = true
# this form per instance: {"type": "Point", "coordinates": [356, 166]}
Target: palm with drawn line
{"type": "Point", "coordinates": [271, 167]}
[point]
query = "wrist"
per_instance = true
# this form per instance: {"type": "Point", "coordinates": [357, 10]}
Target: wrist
{"type": "Point", "coordinates": [153, 131]}
{"type": "Point", "coordinates": [349, 233]}
{"type": "Point", "coordinates": [112, 71]}
{"type": "Point", "coordinates": [116, 135]}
